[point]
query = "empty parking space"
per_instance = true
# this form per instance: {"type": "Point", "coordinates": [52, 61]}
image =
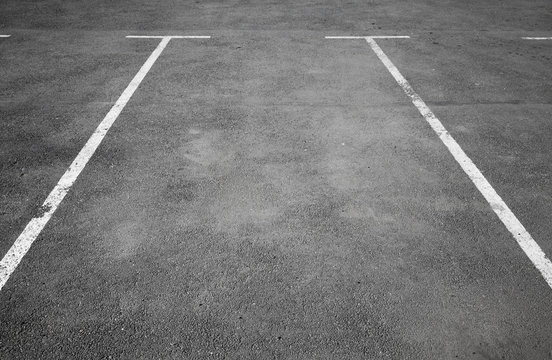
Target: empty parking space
{"type": "Point", "coordinates": [275, 193]}
{"type": "Point", "coordinates": [497, 107]}
{"type": "Point", "coordinates": [508, 218]}
{"type": "Point", "coordinates": [25, 240]}
{"type": "Point", "coordinates": [256, 190]}
{"type": "Point", "coordinates": [55, 91]}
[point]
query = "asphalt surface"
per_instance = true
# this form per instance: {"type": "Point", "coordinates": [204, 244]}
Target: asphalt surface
{"type": "Point", "coordinates": [268, 193]}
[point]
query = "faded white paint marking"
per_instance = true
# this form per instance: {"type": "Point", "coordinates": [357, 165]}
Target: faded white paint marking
{"type": "Point", "coordinates": [522, 236]}
{"type": "Point", "coordinates": [23, 243]}
{"type": "Point", "coordinates": [168, 37]}
{"type": "Point", "coordinates": [371, 37]}
{"type": "Point", "coordinates": [5, 36]}
{"type": "Point", "coordinates": [537, 38]}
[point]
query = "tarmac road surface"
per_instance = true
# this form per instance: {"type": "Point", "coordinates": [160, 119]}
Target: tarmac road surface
{"type": "Point", "coordinates": [268, 193]}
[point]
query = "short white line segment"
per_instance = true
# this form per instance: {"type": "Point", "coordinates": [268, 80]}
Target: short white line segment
{"type": "Point", "coordinates": [168, 37]}
{"type": "Point", "coordinates": [23, 243]}
{"type": "Point", "coordinates": [5, 36]}
{"type": "Point", "coordinates": [371, 37]}
{"type": "Point", "coordinates": [537, 38]}
{"type": "Point", "coordinates": [516, 228]}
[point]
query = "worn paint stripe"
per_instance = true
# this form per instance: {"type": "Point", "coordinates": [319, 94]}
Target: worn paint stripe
{"type": "Point", "coordinates": [170, 37]}
{"type": "Point", "coordinates": [23, 243]}
{"type": "Point", "coordinates": [372, 37]}
{"type": "Point", "coordinates": [516, 228]}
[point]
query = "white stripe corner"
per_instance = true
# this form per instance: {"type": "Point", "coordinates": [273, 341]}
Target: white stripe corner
{"type": "Point", "coordinates": [23, 243]}
{"type": "Point", "coordinates": [508, 218]}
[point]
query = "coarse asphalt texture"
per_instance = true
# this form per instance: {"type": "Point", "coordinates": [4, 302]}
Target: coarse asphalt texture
{"type": "Point", "coordinates": [272, 194]}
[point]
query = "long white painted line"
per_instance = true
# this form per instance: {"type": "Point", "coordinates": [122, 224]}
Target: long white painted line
{"type": "Point", "coordinates": [371, 37]}
{"type": "Point", "coordinates": [5, 36]}
{"type": "Point", "coordinates": [169, 37]}
{"type": "Point", "coordinates": [34, 227]}
{"type": "Point", "coordinates": [537, 38]}
{"type": "Point", "coordinates": [522, 236]}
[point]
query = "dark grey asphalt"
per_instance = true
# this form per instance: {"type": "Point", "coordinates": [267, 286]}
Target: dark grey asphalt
{"type": "Point", "coordinates": [268, 193]}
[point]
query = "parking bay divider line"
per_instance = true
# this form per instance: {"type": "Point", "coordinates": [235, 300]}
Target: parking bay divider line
{"type": "Point", "coordinates": [516, 228]}
{"type": "Point", "coordinates": [22, 244]}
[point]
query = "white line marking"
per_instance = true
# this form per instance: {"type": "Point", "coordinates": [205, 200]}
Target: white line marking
{"type": "Point", "coordinates": [368, 37]}
{"type": "Point", "coordinates": [522, 236]}
{"type": "Point", "coordinates": [167, 37]}
{"type": "Point", "coordinates": [537, 38]}
{"type": "Point", "coordinates": [5, 36]}
{"type": "Point", "coordinates": [34, 227]}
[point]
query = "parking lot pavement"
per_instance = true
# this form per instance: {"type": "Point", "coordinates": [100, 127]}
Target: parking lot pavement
{"type": "Point", "coordinates": [269, 193]}
{"type": "Point", "coordinates": [54, 89]}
